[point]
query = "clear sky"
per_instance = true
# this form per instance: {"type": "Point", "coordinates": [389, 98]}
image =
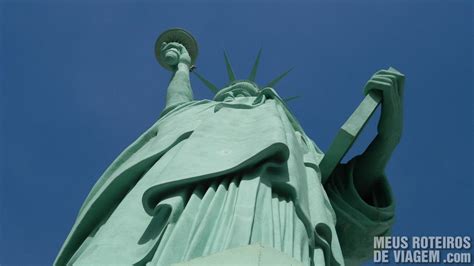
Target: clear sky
{"type": "Point", "coordinates": [79, 83]}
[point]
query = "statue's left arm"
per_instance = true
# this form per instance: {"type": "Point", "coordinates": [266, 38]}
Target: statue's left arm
{"type": "Point", "coordinates": [359, 191]}
{"type": "Point", "coordinates": [370, 165]}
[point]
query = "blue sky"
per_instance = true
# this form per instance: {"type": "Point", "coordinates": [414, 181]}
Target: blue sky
{"type": "Point", "coordinates": [79, 82]}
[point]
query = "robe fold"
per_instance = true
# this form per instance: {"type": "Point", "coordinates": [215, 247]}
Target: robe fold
{"type": "Point", "coordinates": [209, 176]}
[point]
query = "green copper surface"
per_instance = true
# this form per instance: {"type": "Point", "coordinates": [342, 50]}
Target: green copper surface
{"type": "Point", "coordinates": [348, 134]}
{"type": "Point", "coordinates": [230, 71]}
{"type": "Point", "coordinates": [277, 79]}
{"type": "Point", "coordinates": [253, 73]}
{"type": "Point", "coordinates": [252, 255]}
{"type": "Point", "coordinates": [175, 35]}
{"type": "Point", "coordinates": [236, 181]}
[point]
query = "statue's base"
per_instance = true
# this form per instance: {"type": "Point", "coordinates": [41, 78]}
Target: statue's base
{"type": "Point", "coordinates": [255, 255]}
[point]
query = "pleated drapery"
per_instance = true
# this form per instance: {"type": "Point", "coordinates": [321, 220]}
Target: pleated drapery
{"type": "Point", "coordinates": [228, 212]}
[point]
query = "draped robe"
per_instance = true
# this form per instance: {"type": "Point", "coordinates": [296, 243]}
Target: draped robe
{"type": "Point", "coordinates": [210, 176]}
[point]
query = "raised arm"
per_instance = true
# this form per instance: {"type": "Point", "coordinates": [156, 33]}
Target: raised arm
{"type": "Point", "coordinates": [179, 89]}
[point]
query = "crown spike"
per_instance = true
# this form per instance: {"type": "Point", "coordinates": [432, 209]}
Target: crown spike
{"type": "Point", "coordinates": [277, 79]}
{"type": "Point", "coordinates": [253, 73]}
{"type": "Point", "coordinates": [206, 82]}
{"type": "Point", "coordinates": [230, 72]}
{"type": "Point", "coordinates": [287, 99]}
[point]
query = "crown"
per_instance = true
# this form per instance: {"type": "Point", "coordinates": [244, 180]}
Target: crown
{"type": "Point", "coordinates": [185, 38]}
{"type": "Point", "coordinates": [232, 80]}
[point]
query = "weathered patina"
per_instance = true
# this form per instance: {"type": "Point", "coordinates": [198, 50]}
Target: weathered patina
{"type": "Point", "coordinates": [237, 174]}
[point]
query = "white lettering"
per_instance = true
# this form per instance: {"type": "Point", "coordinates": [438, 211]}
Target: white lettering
{"type": "Point", "coordinates": [380, 256]}
{"type": "Point", "coordinates": [379, 242]}
{"type": "Point", "coordinates": [416, 256]}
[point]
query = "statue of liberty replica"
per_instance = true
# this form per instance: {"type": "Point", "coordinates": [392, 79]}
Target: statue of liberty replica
{"type": "Point", "coordinates": [236, 181]}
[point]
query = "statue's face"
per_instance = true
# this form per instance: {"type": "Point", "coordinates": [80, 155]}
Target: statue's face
{"type": "Point", "coordinates": [241, 88]}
